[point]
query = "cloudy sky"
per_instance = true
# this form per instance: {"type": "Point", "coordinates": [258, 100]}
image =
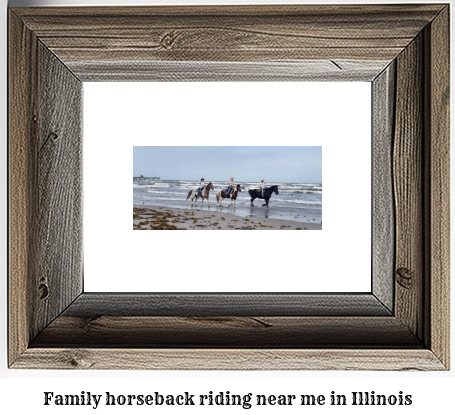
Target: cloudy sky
{"type": "Point", "coordinates": [273, 164]}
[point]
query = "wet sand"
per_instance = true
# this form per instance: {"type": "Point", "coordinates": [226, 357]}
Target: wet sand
{"type": "Point", "coordinates": [163, 218]}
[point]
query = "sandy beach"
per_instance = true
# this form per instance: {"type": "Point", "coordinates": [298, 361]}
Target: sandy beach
{"type": "Point", "coordinates": [146, 217]}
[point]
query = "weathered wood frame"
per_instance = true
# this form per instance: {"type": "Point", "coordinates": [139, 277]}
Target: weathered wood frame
{"type": "Point", "coordinates": [403, 50]}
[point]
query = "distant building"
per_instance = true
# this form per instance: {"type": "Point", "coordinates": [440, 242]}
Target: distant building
{"type": "Point", "coordinates": [145, 180]}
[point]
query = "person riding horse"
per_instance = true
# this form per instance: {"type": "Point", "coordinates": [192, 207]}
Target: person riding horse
{"type": "Point", "coordinates": [201, 187]}
{"type": "Point", "coordinates": [230, 187]}
{"type": "Point", "coordinates": [202, 192]}
{"type": "Point", "coordinates": [265, 194]}
{"type": "Point", "coordinates": [221, 194]}
{"type": "Point", "coordinates": [262, 187]}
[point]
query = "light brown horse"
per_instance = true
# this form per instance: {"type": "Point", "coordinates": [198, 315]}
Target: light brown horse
{"type": "Point", "coordinates": [193, 193]}
{"type": "Point", "coordinates": [232, 196]}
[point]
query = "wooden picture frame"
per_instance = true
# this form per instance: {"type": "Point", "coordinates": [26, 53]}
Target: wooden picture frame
{"type": "Point", "coordinates": [403, 324]}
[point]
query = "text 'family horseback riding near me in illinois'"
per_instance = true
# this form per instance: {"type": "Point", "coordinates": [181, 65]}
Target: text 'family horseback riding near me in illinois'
{"type": "Point", "coordinates": [227, 188]}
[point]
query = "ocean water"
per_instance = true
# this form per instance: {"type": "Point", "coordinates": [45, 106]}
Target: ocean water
{"type": "Point", "coordinates": [300, 202]}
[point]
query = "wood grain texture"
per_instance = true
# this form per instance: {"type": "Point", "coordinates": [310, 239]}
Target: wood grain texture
{"type": "Point", "coordinates": [407, 174]}
{"type": "Point", "coordinates": [308, 71]}
{"type": "Point", "coordinates": [235, 359]}
{"type": "Point", "coordinates": [383, 215]}
{"type": "Point", "coordinates": [438, 193]}
{"type": "Point", "coordinates": [257, 332]}
{"type": "Point", "coordinates": [58, 215]}
{"type": "Point", "coordinates": [212, 305]}
{"type": "Point", "coordinates": [227, 34]}
{"type": "Point", "coordinates": [22, 97]}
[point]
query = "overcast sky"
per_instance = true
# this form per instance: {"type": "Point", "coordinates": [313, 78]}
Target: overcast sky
{"type": "Point", "coordinates": [273, 164]}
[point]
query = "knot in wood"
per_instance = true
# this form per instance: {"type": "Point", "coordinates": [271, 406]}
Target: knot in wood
{"type": "Point", "coordinates": [168, 39]}
{"type": "Point", "coordinates": [405, 278]}
{"type": "Point", "coordinates": [43, 291]}
{"type": "Point", "coordinates": [53, 136]}
{"type": "Point", "coordinates": [76, 359]}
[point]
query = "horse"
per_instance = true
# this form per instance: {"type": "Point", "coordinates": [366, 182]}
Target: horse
{"type": "Point", "coordinates": [221, 194]}
{"type": "Point", "coordinates": [256, 193]}
{"type": "Point", "coordinates": [205, 192]}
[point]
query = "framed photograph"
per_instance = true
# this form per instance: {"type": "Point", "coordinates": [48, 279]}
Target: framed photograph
{"type": "Point", "coordinates": [399, 320]}
{"type": "Point", "coordinates": [162, 204]}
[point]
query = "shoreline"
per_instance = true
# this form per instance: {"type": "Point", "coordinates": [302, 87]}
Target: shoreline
{"type": "Point", "coordinates": [155, 217]}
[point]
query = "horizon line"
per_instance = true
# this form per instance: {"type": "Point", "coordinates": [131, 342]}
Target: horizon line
{"type": "Point", "coordinates": [197, 180]}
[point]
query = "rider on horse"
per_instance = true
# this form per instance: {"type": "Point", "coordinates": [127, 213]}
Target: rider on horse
{"type": "Point", "coordinates": [201, 187]}
{"type": "Point", "coordinates": [262, 187]}
{"type": "Point", "coordinates": [230, 187]}
{"type": "Point", "coordinates": [263, 193]}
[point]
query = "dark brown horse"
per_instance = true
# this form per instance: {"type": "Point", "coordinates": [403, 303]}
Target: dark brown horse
{"type": "Point", "coordinates": [204, 194]}
{"type": "Point", "coordinates": [221, 194]}
{"type": "Point", "coordinates": [256, 193]}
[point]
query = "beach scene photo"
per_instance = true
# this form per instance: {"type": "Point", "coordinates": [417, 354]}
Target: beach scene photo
{"type": "Point", "coordinates": [170, 135]}
{"type": "Point", "coordinates": [227, 187]}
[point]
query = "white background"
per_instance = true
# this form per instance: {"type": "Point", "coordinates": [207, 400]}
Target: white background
{"type": "Point", "coordinates": [336, 116]}
{"type": "Point", "coordinates": [22, 391]}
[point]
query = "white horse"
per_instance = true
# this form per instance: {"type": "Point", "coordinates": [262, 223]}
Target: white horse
{"type": "Point", "coordinates": [193, 193]}
{"type": "Point", "coordinates": [232, 196]}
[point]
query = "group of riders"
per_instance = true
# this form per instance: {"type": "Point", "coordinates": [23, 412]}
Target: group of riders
{"type": "Point", "coordinates": [230, 187]}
